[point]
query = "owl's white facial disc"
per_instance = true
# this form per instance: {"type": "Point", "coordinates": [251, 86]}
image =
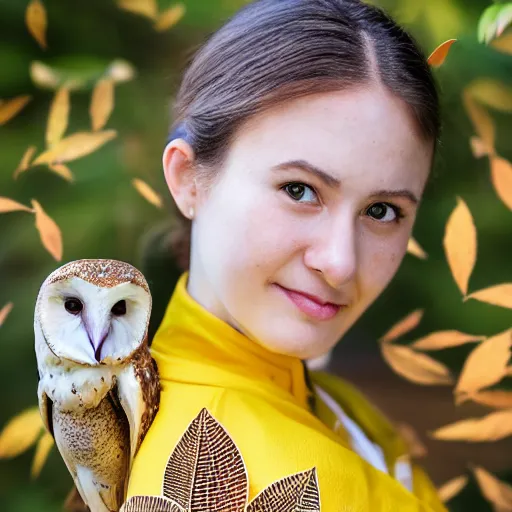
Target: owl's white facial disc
{"type": "Point", "coordinates": [90, 324]}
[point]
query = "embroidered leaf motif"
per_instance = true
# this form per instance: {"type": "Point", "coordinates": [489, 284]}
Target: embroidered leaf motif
{"type": "Point", "coordinates": [293, 493]}
{"type": "Point", "coordinates": [205, 471]}
{"type": "Point", "coordinates": [150, 504]}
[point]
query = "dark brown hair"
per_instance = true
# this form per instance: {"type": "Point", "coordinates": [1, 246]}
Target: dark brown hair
{"type": "Point", "coordinates": [273, 51]}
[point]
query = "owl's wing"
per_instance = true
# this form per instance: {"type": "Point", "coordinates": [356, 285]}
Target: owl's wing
{"type": "Point", "coordinates": [139, 394]}
{"type": "Point", "coordinates": [45, 408]}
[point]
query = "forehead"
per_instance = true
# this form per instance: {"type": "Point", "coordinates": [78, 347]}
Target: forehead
{"type": "Point", "coordinates": [357, 133]}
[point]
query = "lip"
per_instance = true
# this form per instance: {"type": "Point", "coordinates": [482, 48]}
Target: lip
{"type": "Point", "coordinates": [311, 305]}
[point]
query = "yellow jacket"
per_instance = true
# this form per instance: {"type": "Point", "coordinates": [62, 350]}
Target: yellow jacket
{"type": "Point", "coordinates": [264, 402]}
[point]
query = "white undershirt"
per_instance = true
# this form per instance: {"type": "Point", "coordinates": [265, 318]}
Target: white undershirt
{"type": "Point", "coordinates": [368, 450]}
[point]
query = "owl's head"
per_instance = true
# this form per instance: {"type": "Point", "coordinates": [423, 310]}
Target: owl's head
{"type": "Point", "coordinates": [94, 311]}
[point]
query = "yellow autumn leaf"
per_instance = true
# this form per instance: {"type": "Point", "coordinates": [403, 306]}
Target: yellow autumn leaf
{"type": "Point", "coordinates": [62, 170]}
{"type": "Point", "coordinates": [481, 120]}
{"type": "Point", "coordinates": [499, 399]}
{"type": "Point", "coordinates": [486, 364]}
{"type": "Point", "coordinates": [20, 433]}
{"type": "Point", "coordinates": [414, 248]}
{"type": "Point", "coordinates": [4, 312]}
{"type": "Point", "coordinates": [444, 339]}
{"type": "Point", "coordinates": [43, 75]}
{"type": "Point", "coordinates": [58, 117]}
{"type": "Point", "coordinates": [403, 326]}
{"type": "Point", "coordinates": [438, 56]}
{"type": "Point", "coordinates": [170, 17]}
{"type": "Point", "coordinates": [451, 488]}
{"type": "Point", "coordinates": [25, 161]}
{"type": "Point", "coordinates": [120, 70]}
{"type": "Point", "coordinates": [102, 103]}
{"type": "Point", "coordinates": [9, 108]}
{"type": "Point", "coordinates": [493, 93]}
{"type": "Point", "coordinates": [44, 445]}
{"type": "Point", "coordinates": [49, 231]}
{"type": "Point", "coordinates": [492, 427]}
{"type": "Point", "coordinates": [501, 177]}
{"type": "Point", "coordinates": [460, 244]}
{"type": "Point", "coordinates": [147, 192]}
{"type": "Point", "coordinates": [497, 492]}
{"type": "Point", "coordinates": [75, 146]}
{"type": "Point", "coordinates": [415, 367]}
{"type": "Point", "coordinates": [8, 205]}
{"type": "Point", "coordinates": [503, 44]}
{"type": "Point", "coordinates": [35, 18]}
{"type": "Point", "coordinates": [498, 295]}
{"type": "Point", "coordinates": [147, 8]}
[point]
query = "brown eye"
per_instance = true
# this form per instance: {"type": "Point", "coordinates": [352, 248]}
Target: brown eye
{"type": "Point", "coordinates": [119, 308]}
{"type": "Point", "coordinates": [73, 306]}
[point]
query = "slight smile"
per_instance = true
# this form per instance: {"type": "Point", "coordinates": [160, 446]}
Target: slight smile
{"type": "Point", "coordinates": [311, 305]}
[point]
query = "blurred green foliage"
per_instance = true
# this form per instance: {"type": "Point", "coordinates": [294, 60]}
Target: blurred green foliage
{"type": "Point", "coordinates": [102, 216]}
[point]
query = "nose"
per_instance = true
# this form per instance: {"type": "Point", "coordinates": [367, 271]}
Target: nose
{"type": "Point", "coordinates": [333, 252]}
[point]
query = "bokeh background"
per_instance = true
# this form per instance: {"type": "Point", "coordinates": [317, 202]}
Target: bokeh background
{"type": "Point", "coordinates": [101, 215]}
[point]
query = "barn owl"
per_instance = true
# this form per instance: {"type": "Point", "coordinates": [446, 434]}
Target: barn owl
{"type": "Point", "coordinates": [98, 386]}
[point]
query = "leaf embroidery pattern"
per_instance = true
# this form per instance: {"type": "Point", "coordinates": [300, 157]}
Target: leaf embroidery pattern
{"type": "Point", "coordinates": [206, 473]}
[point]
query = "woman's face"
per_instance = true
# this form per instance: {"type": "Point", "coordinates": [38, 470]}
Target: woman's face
{"type": "Point", "coordinates": [319, 196]}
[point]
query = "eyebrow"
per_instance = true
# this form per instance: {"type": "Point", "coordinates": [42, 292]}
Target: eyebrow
{"type": "Point", "coordinates": [333, 182]}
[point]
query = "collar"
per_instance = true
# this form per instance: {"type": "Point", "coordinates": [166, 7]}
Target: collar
{"type": "Point", "coordinates": [193, 345]}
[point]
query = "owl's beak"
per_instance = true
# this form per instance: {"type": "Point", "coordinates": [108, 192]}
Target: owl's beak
{"type": "Point", "coordinates": [97, 332]}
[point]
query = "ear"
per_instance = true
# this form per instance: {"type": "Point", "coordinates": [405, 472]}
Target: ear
{"type": "Point", "coordinates": [178, 160]}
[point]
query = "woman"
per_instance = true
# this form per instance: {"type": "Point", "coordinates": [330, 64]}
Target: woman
{"type": "Point", "coordinates": [304, 135]}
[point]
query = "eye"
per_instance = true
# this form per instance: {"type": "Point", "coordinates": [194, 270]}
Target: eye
{"type": "Point", "coordinates": [119, 308]}
{"type": "Point", "coordinates": [297, 191]}
{"type": "Point", "coordinates": [385, 212]}
{"type": "Point", "coordinates": [73, 306]}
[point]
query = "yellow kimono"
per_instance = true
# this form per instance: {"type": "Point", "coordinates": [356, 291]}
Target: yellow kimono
{"type": "Point", "coordinates": [282, 420]}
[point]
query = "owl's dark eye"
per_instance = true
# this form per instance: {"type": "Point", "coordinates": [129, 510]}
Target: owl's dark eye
{"type": "Point", "coordinates": [119, 308]}
{"type": "Point", "coordinates": [73, 306]}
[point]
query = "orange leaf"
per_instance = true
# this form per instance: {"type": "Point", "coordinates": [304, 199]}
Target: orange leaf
{"type": "Point", "coordinates": [438, 56]}
{"type": "Point", "coordinates": [147, 8]}
{"type": "Point", "coordinates": [451, 488]}
{"type": "Point", "coordinates": [479, 148]}
{"type": "Point", "coordinates": [414, 444]}
{"type": "Point", "coordinates": [43, 448]}
{"type": "Point", "coordinates": [460, 244]}
{"type": "Point", "coordinates": [49, 231]}
{"type": "Point", "coordinates": [58, 117]}
{"type": "Point", "coordinates": [403, 326]}
{"type": "Point", "coordinates": [498, 399]}
{"type": "Point", "coordinates": [416, 367]}
{"type": "Point", "coordinates": [503, 44]}
{"type": "Point", "coordinates": [498, 295]}
{"type": "Point", "coordinates": [4, 312]}
{"type": "Point", "coordinates": [492, 427]}
{"type": "Point", "coordinates": [501, 177]}
{"type": "Point", "coordinates": [25, 161]}
{"type": "Point", "coordinates": [8, 205]}
{"type": "Point", "coordinates": [482, 123]}
{"type": "Point", "coordinates": [9, 108]}
{"type": "Point", "coordinates": [170, 17]}
{"type": "Point", "coordinates": [414, 248]}
{"type": "Point", "coordinates": [75, 146]}
{"type": "Point", "coordinates": [147, 192]}
{"type": "Point", "coordinates": [35, 18]}
{"type": "Point", "coordinates": [486, 365]}
{"type": "Point", "coordinates": [62, 170]}
{"type": "Point", "coordinates": [102, 103]}
{"type": "Point", "coordinates": [444, 339]}
{"type": "Point", "coordinates": [497, 492]}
